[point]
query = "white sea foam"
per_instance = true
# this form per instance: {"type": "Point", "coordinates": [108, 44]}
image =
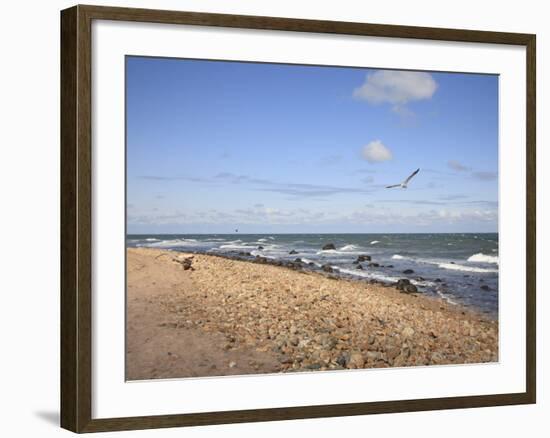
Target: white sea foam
{"type": "Point", "coordinates": [397, 257]}
{"type": "Point", "coordinates": [307, 261]}
{"type": "Point", "coordinates": [374, 242]}
{"type": "Point", "coordinates": [151, 239]}
{"type": "Point", "coordinates": [172, 243]}
{"type": "Point", "coordinates": [483, 258]}
{"type": "Point", "coordinates": [455, 267]}
{"type": "Point", "coordinates": [364, 274]}
{"type": "Point", "coordinates": [237, 247]}
{"type": "Point", "coordinates": [446, 297]}
{"type": "Point", "coordinates": [349, 248]}
{"type": "Point", "coordinates": [262, 240]}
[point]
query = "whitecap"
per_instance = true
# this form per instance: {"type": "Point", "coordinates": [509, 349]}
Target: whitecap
{"type": "Point", "coordinates": [455, 267]}
{"type": "Point", "coordinates": [374, 242]}
{"type": "Point", "coordinates": [397, 257]}
{"type": "Point", "coordinates": [483, 258]}
{"type": "Point", "coordinates": [237, 247]}
{"type": "Point", "coordinates": [349, 248]}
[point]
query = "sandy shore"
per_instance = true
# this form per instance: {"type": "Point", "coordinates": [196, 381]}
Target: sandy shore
{"type": "Point", "coordinates": [213, 316]}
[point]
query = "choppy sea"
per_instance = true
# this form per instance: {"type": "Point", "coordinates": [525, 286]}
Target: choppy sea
{"type": "Point", "coordinates": [460, 268]}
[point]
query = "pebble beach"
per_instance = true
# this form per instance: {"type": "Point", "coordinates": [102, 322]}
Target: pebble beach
{"type": "Point", "coordinates": [195, 315]}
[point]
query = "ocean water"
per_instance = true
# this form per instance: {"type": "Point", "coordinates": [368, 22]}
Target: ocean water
{"type": "Point", "coordinates": [451, 266]}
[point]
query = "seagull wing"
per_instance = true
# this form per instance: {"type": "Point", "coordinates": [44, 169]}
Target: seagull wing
{"type": "Point", "coordinates": [395, 185]}
{"type": "Point", "coordinates": [411, 176]}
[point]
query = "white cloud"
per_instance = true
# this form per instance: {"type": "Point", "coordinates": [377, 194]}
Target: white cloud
{"type": "Point", "coordinates": [375, 152]}
{"type": "Point", "coordinates": [396, 88]}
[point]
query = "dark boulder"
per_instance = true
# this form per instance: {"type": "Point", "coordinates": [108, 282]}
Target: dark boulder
{"type": "Point", "coordinates": [298, 260]}
{"type": "Point", "coordinates": [485, 287]}
{"type": "Point", "coordinates": [410, 289]}
{"type": "Point", "coordinates": [260, 259]}
{"type": "Point", "coordinates": [328, 246]}
{"type": "Point", "coordinates": [402, 283]}
{"type": "Point", "coordinates": [292, 252]}
{"type": "Point", "coordinates": [389, 266]}
{"type": "Point", "coordinates": [363, 258]}
{"type": "Point", "coordinates": [359, 266]}
{"type": "Point", "coordinates": [438, 280]}
{"type": "Point", "coordinates": [260, 247]}
{"type": "Point", "coordinates": [408, 271]}
{"type": "Point", "coordinates": [327, 268]}
{"type": "Point", "coordinates": [373, 265]}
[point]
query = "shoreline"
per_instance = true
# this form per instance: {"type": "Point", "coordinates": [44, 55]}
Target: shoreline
{"type": "Point", "coordinates": [195, 314]}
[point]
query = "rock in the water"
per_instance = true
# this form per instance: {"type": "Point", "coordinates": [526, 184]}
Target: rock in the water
{"type": "Point", "coordinates": [327, 268]}
{"type": "Point", "coordinates": [328, 246]}
{"type": "Point", "coordinates": [373, 265]}
{"type": "Point", "coordinates": [363, 258]}
{"type": "Point", "coordinates": [260, 247]}
{"type": "Point", "coordinates": [485, 287]}
{"type": "Point", "coordinates": [408, 271]}
{"type": "Point", "coordinates": [438, 280]}
{"type": "Point", "coordinates": [359, 266]}
{"type": "Point", "coordinates": [293, 252]}
{"type": "Point", "coordinates": [298, 260]}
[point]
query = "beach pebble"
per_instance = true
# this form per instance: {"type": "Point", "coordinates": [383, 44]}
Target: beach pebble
{"type": "Point", "coordinates": [356, 360]}
{"type": "Point", "coordinates": [407, 332]}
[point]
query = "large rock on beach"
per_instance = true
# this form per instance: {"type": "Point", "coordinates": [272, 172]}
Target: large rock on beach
{"type": "Point", "coordinates": [327, 268]}
{"type": "Point", "coordinates": [401, 283]}
{"type": "Point", "coordinates": [410, 289]}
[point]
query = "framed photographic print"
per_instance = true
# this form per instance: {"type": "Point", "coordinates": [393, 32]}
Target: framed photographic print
{"type": "Point", "coordinates": [270, 218]}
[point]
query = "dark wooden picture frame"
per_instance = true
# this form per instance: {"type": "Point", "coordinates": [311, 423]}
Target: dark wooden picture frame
{"type": "Point", "coordinates": [76, 218]}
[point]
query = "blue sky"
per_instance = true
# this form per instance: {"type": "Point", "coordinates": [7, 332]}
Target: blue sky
{"type": "Point", "coordinates": [266, 148]}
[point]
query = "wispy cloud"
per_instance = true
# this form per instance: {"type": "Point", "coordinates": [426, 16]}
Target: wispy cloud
{"type": "Point", "coordinates": [452, 197]}
{"type": "Point", "coordinates": [298, 190]}
{"type": "Point", "coordinates": [485, 176]}
{"type": "Point", "coordinates": [457, 166]}
{"type": "Point", "coordinates": [376, 152]}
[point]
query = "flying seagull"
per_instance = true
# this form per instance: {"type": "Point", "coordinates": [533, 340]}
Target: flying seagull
{"type": "Point", "coordinates": [403, 185]}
